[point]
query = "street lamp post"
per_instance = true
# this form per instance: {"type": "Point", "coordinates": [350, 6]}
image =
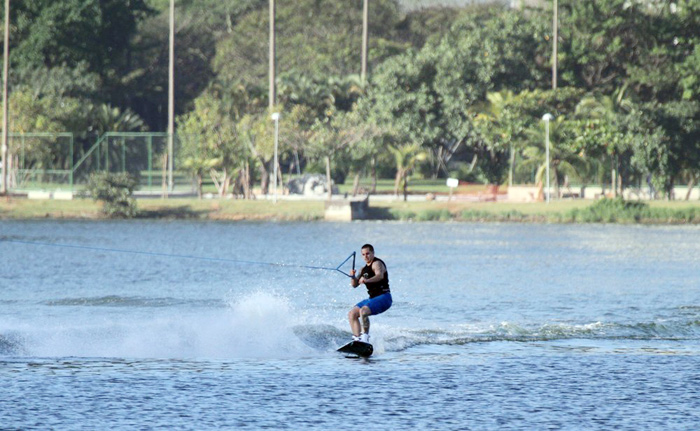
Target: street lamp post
{"type": "Point", "coordinates": [276, 117]}
{"type": "Point", "coordinates": [547, 118]}
{"type": "Point", "coordinates": [5, 70]}
{"type": "Point", "coordinates": [272, 90]}
{"type": "Point", "coordinates": [555, 36]}
{"type": "Point", "coordinates": [365, 19]}
{"type": "Point", "coordinates": [171, 94]}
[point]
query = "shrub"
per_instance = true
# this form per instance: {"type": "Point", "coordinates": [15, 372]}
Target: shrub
{"type": "Point", "coordinates": [397, 214]}
{"type": "Point", "coordinates": [115, 191]}
{"type": "Point", "coordinates": [476, 215]}
{"type": "Point", "coordinates": [610, 211]}
{"type": "Point", "coordinates": [434, 215]}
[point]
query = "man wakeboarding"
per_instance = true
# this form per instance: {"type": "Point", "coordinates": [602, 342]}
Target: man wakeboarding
{"type": "Point", "coordinates": [375, 277]}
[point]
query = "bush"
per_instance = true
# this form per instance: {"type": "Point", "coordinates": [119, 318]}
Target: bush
{"type": "Point", "coordinates": [434, 215]}
{"type": "Point", "coordinates": [115, 191]}
{"type": "Point", "coordinates": [610, 211]}
{"type": "Point", "coordinates": [476, 215]}
{"type": "Point", "coordinates": [422, 215]}
{"type": "Point", "coordinates": [397, 214]}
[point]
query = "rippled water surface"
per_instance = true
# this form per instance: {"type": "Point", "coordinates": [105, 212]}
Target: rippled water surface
{"type": "Point", "coordinates": [183, 325]}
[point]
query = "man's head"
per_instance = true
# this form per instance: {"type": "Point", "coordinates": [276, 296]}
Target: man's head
{"type": "Point", "coordinates": [368, 253]}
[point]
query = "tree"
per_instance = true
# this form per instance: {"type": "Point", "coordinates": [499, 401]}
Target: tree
{"type": "Point", "coordinates": [211, 143]}
{"type": "Point", "coordinates": [323, 95]}
{"type": "Point", "coordinates": [665, 72]}
{"type": "Point", "coordinates": [106, 118]}
{"type": "Point", "coordinates": [488, 50]}
{"type": "Point", "coordinates": [143, 80]}
{"type": "Point", "coordinates": [296, 127]}
{"type": "Point", "coordinates": [334, 138]}
{"type": "Point", "coordinates": [215, 17]}
{"type": "Point", "coordinates": [564, 160]}
{"type": "Point", "coordinates": [515, 118]}
{"type": "Point", "coordinates": [431, 95]}
{"type": "Point", "coordinates": [51, 33]}
{"type": "Point", "coordinates": [688, 69]}
{"type": "Point", "coordinates": [406, 155]}
{"type": "Point", "coordinates": [257, 133]}
{"type": "Point", "coordinates": [605, 134]}
{"type": "Point", "coordinates": [666, 142]}
{"type": "Point", "coordinates": [402, 98]}
{"type": "Point", "coordinates": [599, 40]}
{"type": "Point", "coordinates": [315, 38]}
{"type": "Point", "coordinates": [426, 24]}
{"type": "Point", "coordinates": [501, 129]}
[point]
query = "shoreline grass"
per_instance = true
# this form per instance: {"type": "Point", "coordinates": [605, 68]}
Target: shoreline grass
{"type": "Point", "coordinates": [568, 211]}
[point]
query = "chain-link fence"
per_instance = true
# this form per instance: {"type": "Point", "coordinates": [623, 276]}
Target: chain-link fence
{"type": "Point", "coordinates": [59, 161]}
{"type": "Point", "coordinates": [40, 160]}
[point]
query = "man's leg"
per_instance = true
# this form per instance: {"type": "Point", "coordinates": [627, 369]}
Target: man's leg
{"type": "Point", "coordinates": [365, 312]}
{"type": "Point", "coordinates": [353, 316]}
{"type": "Point", "coordinates": [359, 320]}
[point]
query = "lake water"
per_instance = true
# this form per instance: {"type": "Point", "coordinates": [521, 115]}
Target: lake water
{"type": "Point", "coordinates": [188, 325]}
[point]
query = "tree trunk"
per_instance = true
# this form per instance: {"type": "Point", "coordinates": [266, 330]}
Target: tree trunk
{"type": "Point", "coordinates": [328, 177]}
{"type": "Point", "coordinates": [279, 179]}
{"type": "Point", "coordinates": [220, 185]}
{"type": "Point", "coordinates": [264, 179]}
{"type": "Point", "coordinates": [373, 189]}
{"type": "Point", "coordinates": [397, 181]}
{"type": "Point", "coordinates": [540, 191]}
{"type": "Point", "coordinates": [613, 175]}
{"type": "Point", "coordinates": [246, 180]}
{"type": "Point", "coordinates": [691, 184]}
{"type": "Point", "coordinates": [224, 184]}
{"type": "Point", "coordinates": [199, 185]}
{"type": "Point", "coordinates": [165, 175]}
{"type": "Point", "coordinates": [669, 190]}
{"type": "Point", "coordinates": [13, 177]}
{"type": "Point", "coordinates": [619, 180]}
{"type": "Point", "coordinates": [511, 167]}
{"type": "Point", "coordinates": [405, 185]}
{"type": "Point", "coordinates": [356, 184]}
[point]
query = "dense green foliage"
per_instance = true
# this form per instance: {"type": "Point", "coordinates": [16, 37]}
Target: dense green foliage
{"type": "Point", "coordinates": [620, 211]}
{"type": "Point", "coordinates": [611, 210]}
{"type": "Point", "coordinates": [115, 191]}
{"type": "Point", "coordinates": [451, 91]}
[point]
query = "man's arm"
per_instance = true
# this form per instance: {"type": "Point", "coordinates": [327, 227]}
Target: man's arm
{"type": "Point", "coordinates": [353, 280]}
{"type": "Point", "coordinates": [378, 273]}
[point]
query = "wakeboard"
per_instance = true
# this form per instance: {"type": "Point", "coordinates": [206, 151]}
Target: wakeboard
{"type": "Point", "coordinates": [358, 348]}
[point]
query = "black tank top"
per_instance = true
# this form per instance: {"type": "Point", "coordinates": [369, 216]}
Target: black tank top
{"type": "Point", "coordinates": [378, 287]}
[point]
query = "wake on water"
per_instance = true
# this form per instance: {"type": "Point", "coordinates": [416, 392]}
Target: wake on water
{"type": "Point", "coordinates": [264, 325]}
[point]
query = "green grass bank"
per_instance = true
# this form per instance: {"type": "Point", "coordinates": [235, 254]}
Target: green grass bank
{"type": "Point", "coordinates": [569, 211]}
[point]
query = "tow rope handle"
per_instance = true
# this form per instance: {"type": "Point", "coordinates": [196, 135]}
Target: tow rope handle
{"type": "Point", "coordinates": [343, 263]}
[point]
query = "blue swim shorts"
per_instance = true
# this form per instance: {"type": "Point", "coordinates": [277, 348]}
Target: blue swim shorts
{"type": "Point", "coordinates": [378, 304]}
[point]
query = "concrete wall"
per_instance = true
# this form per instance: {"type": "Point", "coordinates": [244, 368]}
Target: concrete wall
{"type": "Point", "coordinates": [347, 210]}
{"type": "Point", "coordinates": [58, 195]}
{"type": "Point", "coordinates": [529, 193]}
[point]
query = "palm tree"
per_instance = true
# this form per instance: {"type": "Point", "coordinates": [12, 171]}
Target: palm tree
{"type": "Point", "coordinates": [564, 160]}
{"type": "Point", "coordinates": [406, 155]}
{"type": "Point", "coordinates": [606, 110]}
{"type": "Point", "coordinates": [107, 118]}
{"type": "Point", "coordinates": [335, 135]}
{"type": "Point", "coordinates": [499, 125]}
